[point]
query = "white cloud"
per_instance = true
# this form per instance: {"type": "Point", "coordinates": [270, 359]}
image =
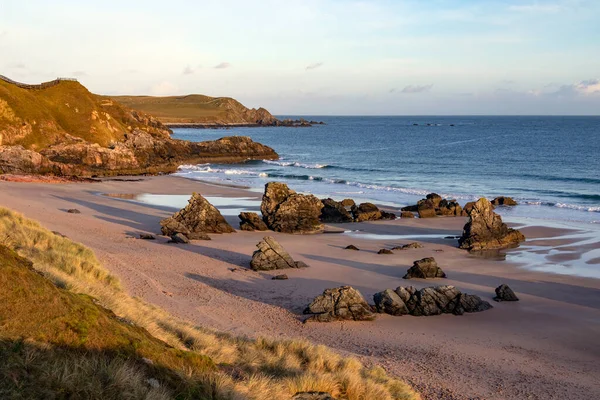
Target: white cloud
{"type": "Point", "coordinates": [222, 65]}
{"type": "Point", "coordinates": [417, 88]}
{"type": "Point", "coordinates": [314, 66]}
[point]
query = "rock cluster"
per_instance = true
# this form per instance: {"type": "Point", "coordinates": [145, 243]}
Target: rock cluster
{"type": "Point", "coordinates": [504, 293]}
{"type": "Point", "coordinates": [347, 211]}
{"type": "Point", "coordinates": [425, 268]}
{"type": "Point", "coordinates": [342, 303]}
{"type": "Point", "coordinates": [433, 205]}
{"type": "Point", "coordinates": [197, 219]}
{"type": "Point", "coordinates": [251, 221]}
{"type": "Point", "coordinates": [284, 210]}
{"type": "Point", "coordinates": [485, 230]}
{"type": "Point", "coordinates": [370, 212]}
{"type": "Point", "coordinates": [270, 255]}
{"type": "Point", "coordinates": [428, 301]}
{"type": "Point", "coordinates": [335, 212]}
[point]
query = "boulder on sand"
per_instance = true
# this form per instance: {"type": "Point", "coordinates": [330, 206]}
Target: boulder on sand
{"type": "Point", "coordinates": [366, 212]}
{"type": "Point", "coordinates": [425, 268]}
{"type": "Point", "coordinates": [385, 251]}
{"type": "Point", "coordinates": [197, 219]}
{"type": "Point", "coordinates": [413, 245]}
{"type": "Point", "coordinates": [270, 255]}
{"type": "Point", "coordinates": [504, 201]}
{"type": "Point", "coordinates": [284, 210]}
{"type": "Point", "coordinates": [179, 238]}
{"type": "Point", "coordinates": [406, 214]}
{"type": "Point", "coordinates": [334, 212]}
{"type": "Point", "coordinates": [504, 293]}
{"type": "Point", "coordinates": [429, 301]}
{"type": "Point", "coordinates": [250, 221]}
{"type": "Point", "coordinates": [485, 230]}
{"type": "Point", "coordinates": [351, 247]}
{"type": "Point", "coordinates": [342, 303]}
{"type": "Point", "coordinates": [433, 205]}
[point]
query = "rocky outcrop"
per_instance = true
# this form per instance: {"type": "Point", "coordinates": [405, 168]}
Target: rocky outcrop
{"type": "Point", "coordinates": [504, 293]}
{"type": "Point", "coordinates": [197, 219]}
{"type": "Point", "coordinates": [425, 268]}
{"type": "Point", "coordinates": [485, 230]}
{"type": "Point", "coordinates": [270, 255]}
{"type": "Point", "coordinates": [284, 210]}
{"type": "Point", "coordinates": [428, 301]}
{"type": "Point", "coordinates": [366, 212]}
{"type": "Point", "coordinates": [504, 201]}
{"type": "Point", "coordinates": [342, 303]}
{"type": "Point", "coordinates": [434, 205]}
{"type": "Point", "coordinates": [251, 221]}
{"type": "Point", "coordinates": [334, 212]}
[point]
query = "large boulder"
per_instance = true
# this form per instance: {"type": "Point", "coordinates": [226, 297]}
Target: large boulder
{"type": "Point", "coordinates": [504, 293]}
{"type": "Point", "coordinates": [342, 303]}
{"type": "Point", "coordinates": [485, 230]}
{"type": "Point", "coordinates": [425, 268]}
{"type": "Point", "coordinates": [504, 201]}
{"type": "Point", "coordinates": [284, 210]}
{"type": "Point", "coordinates": [250, 221]}
{"type": "Point", "coordinates": [334, 212]}
{"type": "Point", "coordinates": [270, 255]}
{"type": "Point", "coordinates": [428, 301]}
{"type": "Point", "coordinates": [366, 212]}
{"type": "Point", "coordinates": [197, 219]}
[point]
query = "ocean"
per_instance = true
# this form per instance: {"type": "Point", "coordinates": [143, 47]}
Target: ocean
{"type": "Point", "coordinates": [549, 165]}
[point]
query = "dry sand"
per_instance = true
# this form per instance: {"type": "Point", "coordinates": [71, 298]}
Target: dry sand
{"type": "Point", "coordinates": [543, 347]}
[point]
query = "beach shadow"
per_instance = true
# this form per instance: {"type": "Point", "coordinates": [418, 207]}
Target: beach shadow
{"type": "Point", "coordinates": [395, 271]}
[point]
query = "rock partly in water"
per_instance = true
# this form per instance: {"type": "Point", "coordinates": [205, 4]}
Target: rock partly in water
{"type": "Point", "coordinates": [485, 230]}
{"type": "Point", "coordinates": [429, 301]}
{"type": "Point", "coordinates": [270, 255]}
{"type": "Point", "coordinates": [413, 245]}
{"type": "Point", "coordinates": [504, 293]}
{"type": "Point", "coordinates": [251, 221]}
{"type": "Point", "coordinates": [197, 219]}
{"type": "Point", "coordinates": [389, 302]}
{"type": "Point", "coordinates": [334, 212]}
{"type": "Point", "coordinates": [385, 251]}
{"type": "Point", "coordinates": [342, 303]}
{"type": "Point", "coordinates": [407, 214]}
{"type": "Point", "coordinates": [179, 238]}
{"type": "Point", "coordinates": [284, 210]}
{"type": "Point", "coordinates": [425, 268]}
{"type": "Point", "coordinates": [351, 247]}
{"type": "Point", "coordinates": [504, 201]}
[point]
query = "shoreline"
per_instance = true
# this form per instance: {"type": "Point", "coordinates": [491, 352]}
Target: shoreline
{"type": "Point", "coordinates": [544, 346]}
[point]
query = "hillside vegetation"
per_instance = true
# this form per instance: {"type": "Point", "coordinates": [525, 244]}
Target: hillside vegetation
{"type": "Point", "coordinates": [60, 340]}
{"type": "Point", "coordinates": [197, 109]}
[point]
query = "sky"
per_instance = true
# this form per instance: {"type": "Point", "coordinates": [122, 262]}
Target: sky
{"type": "Point", "coordinates": [320, 57]}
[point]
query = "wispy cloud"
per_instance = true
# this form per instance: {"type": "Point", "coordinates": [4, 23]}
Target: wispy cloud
{"type": "Point", "coordinates": [417, 88]}
{"type": "Point", "coordinates": [222, 65]}
{"type": "Point", "coordinates": [586, 87]}
{"type": "Point", "coordinates": [79, 73]}
{"type": "Point", "coordinates": [314, 66]}
{"type": "Point", "coordinates": [188, 70]}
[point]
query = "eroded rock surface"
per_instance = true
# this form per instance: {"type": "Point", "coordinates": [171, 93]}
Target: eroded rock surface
{"type": "Point", "coordinates": [434, 205]}
{"type": "Point", "coordinates": [334, 212]}
{"type": "Point", "coordinates": [251, 221]}
{"type": "Point", "coordinates": [485, 230]}
{"type": "Point", "coordinates": [284, 210]}
{"type": "Point", "coordinates": [504, 201]}
{"type": "Point", "coordinates": [342, 303]}
{"type": "Point", "coordinates": [197, 219]}
{"type": "Point", "coordinates": [271, 255]}
{"type": "Point", "coordinates": [425, 268]}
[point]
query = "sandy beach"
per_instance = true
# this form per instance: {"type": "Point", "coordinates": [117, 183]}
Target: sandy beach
{"type": "Point", "coordinates": [542, 347]}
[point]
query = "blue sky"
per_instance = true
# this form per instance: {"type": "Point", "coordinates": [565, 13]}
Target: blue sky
{"type": "Point", "coordinates": [320, 56]}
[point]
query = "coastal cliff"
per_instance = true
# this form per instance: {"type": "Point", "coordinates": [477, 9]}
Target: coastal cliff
{"type": "Point", "coordinates": [63, 129]}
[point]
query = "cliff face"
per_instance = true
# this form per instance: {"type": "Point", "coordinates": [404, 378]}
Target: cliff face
{"type": "Point", "coordinates": [64, 129]}
{"type": "Point", "coordinates": [198, 109]}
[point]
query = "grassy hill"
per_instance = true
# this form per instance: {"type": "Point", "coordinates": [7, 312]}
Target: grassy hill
{"type": "Point", "coordinates": [58, 339]}
{"type": "Point", "coordinates": [197, 109]}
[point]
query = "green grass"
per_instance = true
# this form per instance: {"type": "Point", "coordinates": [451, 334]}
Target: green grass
{"type": "Point", "coordinates": [70, 329]}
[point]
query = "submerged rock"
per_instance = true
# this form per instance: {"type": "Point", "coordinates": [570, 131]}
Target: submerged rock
{"type": "Point", "coordinates": [284, 210]}
{"type": "Point", "coordinates": [504, 293]}
{"type": "Point", "coordinates": [425, 268]}
{"type": "Point", "coordinates": [342, 303]}
{"type": "Point", "coordinates": [428, 301]}
{"type": "Point", "coordinates": [250, 221]}
{"type": "Point", "coordinates": [485, 230]}
{"type": "Point", "coordinates": [197, 219]}
{"type": "Point", "coordinates": [270, 255]}
{"type": "Point", "coordinates": [504, 201]}
{"type": "Point", "coordinates": [334, 212]}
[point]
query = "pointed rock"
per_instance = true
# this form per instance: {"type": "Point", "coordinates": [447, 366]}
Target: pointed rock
{"type": "Point", "coordinates": [270, 255]}
{"type": "Point", "coordinates": [425, 268]}
{"type": "Point", "coordinates": [504, 293]}
{"type": "Point", "coordinates": [250, 221]}
{"type": "Point", "coordinates": [284, 210]}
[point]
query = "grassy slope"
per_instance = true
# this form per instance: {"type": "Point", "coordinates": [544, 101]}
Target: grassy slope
{"type": "Point", "coordinates": [189, 109]}
{"type": "Point", "coordinates": [38, 118]}
{"type": "Point", "coordinates": [246, 369]}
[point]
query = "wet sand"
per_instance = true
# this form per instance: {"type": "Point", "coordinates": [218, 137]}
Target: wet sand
{"type": "Point", "coordinates": [542, 347]}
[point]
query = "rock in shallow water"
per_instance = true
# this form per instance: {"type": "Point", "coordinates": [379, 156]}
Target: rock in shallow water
{"type": "Point", "coordinates": [504, 293]}
{"type": "Point", "coordinates": [197, 219]}
{"type": "Point", "coordinates": [284, 210]}
{"type": "Point", "coordinates": [342, 303]}
{"type": "Point", "coordinates": [425, 268]}
{"type": "Point", "coordinates": [485, 230]}
{"type": "Point", "coordinates": [270, 255]}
